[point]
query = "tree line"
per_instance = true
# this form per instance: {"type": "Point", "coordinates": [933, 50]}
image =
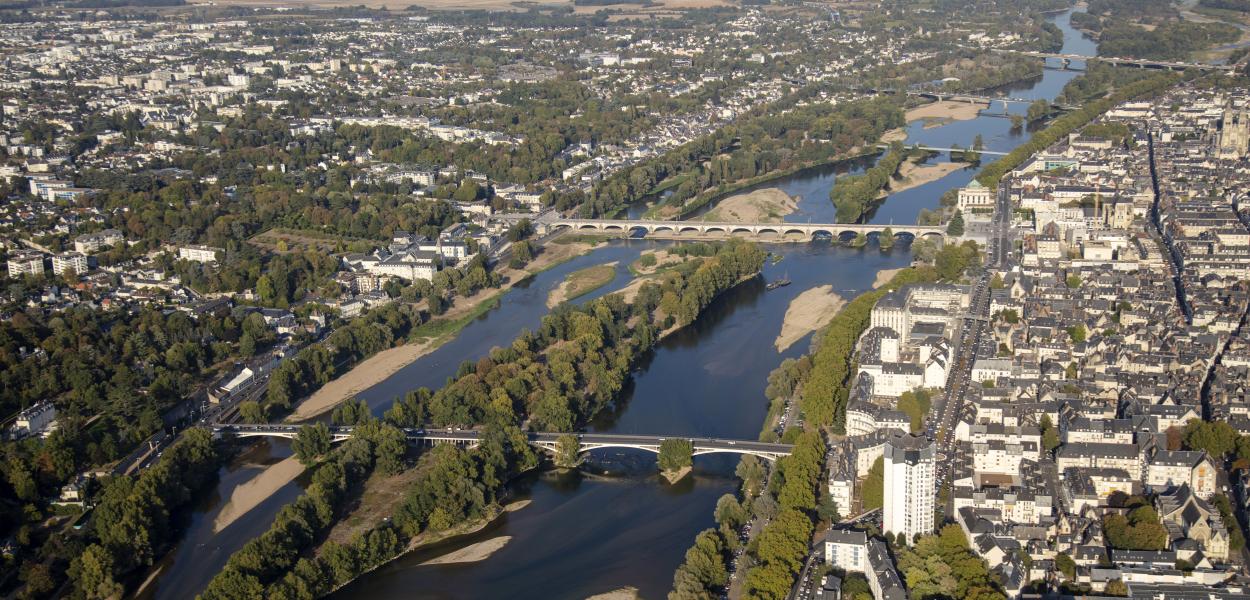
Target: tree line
{"type": "Point", "coordinates": [1062, 126]}
{"type": "Point", "coordinates": [136, 518]}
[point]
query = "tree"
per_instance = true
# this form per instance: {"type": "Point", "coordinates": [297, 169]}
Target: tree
{"type": "Point", "coordinates": [1066, 565]}
{"type": "Point", "coordinates": [955, 226]}
{"type": "Point", "coordinates": [886, 239]}
{"type": "Point", "coordinates": [1077, 333]}
{"type": "Point", "coordinates": [675, 454]}
{"type": "Point", "coordinates": [93, 572]}
{"type": "Point", "coordinates": [1216, 438]}
{"type": "Point", "coordinates": [1050, 434]}
{"type": "Point", "coordinates": [873, 490]}
{"type": "Point", "coordinates": [1073, 281]}
{"type": "Point", "coordinates": [996, 282]}
{"type": "Point", "coordinates": [252, 412]}
{"type": "Point", "coordinates": [729, 512]}
{"type": "Point", "coordinates": [311, 443]}
{"type": "Point", "coordinates": [568, 451]}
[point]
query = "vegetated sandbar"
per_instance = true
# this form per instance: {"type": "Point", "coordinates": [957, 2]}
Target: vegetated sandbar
{"type": "Point", "coordinates": [915, 175]}
{"type": "Point", "coordinates": [760, 206]}
{"type": "Point", "coordinates": [582, 282]}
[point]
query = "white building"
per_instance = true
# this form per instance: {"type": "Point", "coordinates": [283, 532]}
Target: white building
{"type": "Point", "coordinates": [25, 262]}
{"type": "Point", "coordinates": [204, 254]}
{"type": "Point", "coordinates": [91, 242]}
{"type": "Point", "coordinates": [909, 486]}
{"type": "Point", "coordinates": [64, 263]}
{"type": "Point", "coordinates": [975, 196]}
{"type": "Point", "coordinates": [36, 420]}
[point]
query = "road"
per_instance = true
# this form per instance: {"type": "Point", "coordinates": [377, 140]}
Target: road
{"type": "Point", "coordinates": [945, 413]}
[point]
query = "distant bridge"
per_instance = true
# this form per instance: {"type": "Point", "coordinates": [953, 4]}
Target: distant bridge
{"type": "Point", "coordinates": [932, 149]}
{"type": "Point", "coordinates": [1134, 62]}
{"type": "Point", "coordinates": [677, 228]}
{"type": "Point", "coordinates": [967, 98]}
{"type": "Point", "coordinates": [546, 441]}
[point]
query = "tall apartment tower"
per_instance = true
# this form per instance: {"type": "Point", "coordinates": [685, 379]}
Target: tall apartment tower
{"type": "Point", "coordinates": [910, 487]}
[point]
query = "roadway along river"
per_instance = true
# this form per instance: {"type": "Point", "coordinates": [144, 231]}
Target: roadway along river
{"type": "Point", "coordinates": [585, 534]}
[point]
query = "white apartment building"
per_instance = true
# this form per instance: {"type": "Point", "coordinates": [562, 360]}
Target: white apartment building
{"type": "Point", "coordinates": [25, 262]}
{"type": "Point", "coordinates": [204, 254]}
{"type": "Point", "coordinates": [909, 486]}
{"type": "Point", "coordinates": [64, 263]}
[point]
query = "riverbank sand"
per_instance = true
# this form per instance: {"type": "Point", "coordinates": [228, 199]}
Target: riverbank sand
{"type": "Point", "coordinates": [471, 553]}
{"type": "Point", "coordinates": [769, 205]}
{"type": "Point", "coordinates": [808, 312]}
{"type": "Point", "coordinates": [246, 496]}
{"type": "Point", "coordinates": [885, 275]}
{"type": "Point", "coordinates": [625, 593]}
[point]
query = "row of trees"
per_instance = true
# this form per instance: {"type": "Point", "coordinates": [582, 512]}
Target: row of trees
{"type": "Point", "coordinates": [853, 195]}
{"type": "Point", "coordinates": [826, 388]}
{"type": "Point", "coordinates": [1061, 127]}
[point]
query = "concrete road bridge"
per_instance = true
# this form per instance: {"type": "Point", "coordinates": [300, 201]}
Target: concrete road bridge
{"type": "Point", "coordinates": [781, 230]}
{"type": "Point", "coordinates": [545, 441]}
{"type": "Point", "coordinates": [1132, 62]}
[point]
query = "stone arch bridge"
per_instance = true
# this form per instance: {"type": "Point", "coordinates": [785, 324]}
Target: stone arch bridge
{"type": "Point", "coordinates": [545, 441]}
{"type": "Point", "coordinates": [782, 231]}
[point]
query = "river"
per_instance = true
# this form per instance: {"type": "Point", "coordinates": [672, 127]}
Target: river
{"type": "Point", "coordinates": [584, 533]}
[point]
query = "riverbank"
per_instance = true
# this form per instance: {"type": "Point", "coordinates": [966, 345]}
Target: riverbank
{"type": "Point", "coordinates": [382, 365]}
{"type": "Point", "coordinates": [810, 311]}
{"type": "Point", "coordinates": [582, 282]}
{"type": "Point", "coordinates": [885, 275]}
{"type": "Point", "coordinates": [769, 205]}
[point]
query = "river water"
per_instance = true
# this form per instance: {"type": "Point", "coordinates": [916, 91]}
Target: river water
{"type": "Point", "coordinates": [585, 533]}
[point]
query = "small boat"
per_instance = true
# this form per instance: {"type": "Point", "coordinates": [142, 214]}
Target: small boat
{"type": "Point", "coordinates": [772, 285]}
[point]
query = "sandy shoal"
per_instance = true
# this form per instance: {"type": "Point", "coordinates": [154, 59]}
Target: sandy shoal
{"type": "Point", "coordinates": [246, 496]}
{"type": "Point", "coordinates": [471, 553]}
{"type": "Point", "coordinates": [914, 175]}
{"type": "Point", "coordinates": [760, 206]}
{"type": "Point", "coordinates": [946, 109]}
{"type": "Point", "coordinates": [625, 593]}
{"type": "Point", "coordinates": [884, 276]}
{"type": "Point", "coordinates": [808, 312]}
